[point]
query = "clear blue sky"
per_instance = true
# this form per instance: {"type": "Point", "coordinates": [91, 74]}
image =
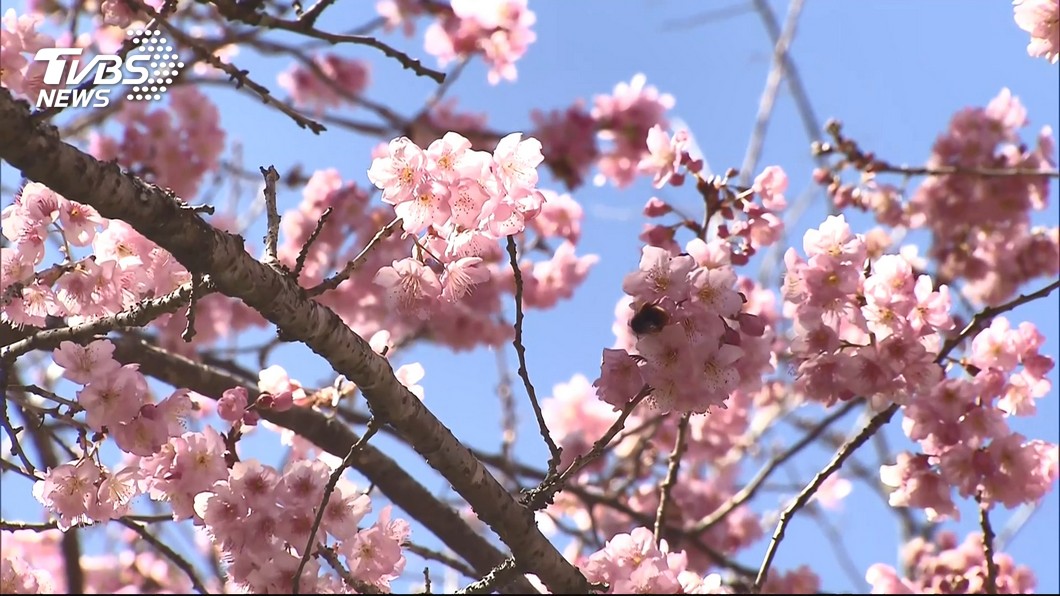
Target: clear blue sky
{"type": "Point", "coordinates": [893, 72]}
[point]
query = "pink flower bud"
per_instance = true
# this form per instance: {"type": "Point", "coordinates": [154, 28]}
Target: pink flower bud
{"type": "Point", "coordinates": [283, 401]}
{"type": "Point", "coordinates": [251, 418]}
{"type": "Point", "coordinates": [656, 207]}
{"type": "Point", "coordinates": [232, 404]}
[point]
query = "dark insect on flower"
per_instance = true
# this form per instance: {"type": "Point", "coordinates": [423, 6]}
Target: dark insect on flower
{"type": "Point", "coordinates": [650, 318]}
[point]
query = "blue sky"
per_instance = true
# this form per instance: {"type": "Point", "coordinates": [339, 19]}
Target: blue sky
{"type": "Point", "coordinates": [893, 72]}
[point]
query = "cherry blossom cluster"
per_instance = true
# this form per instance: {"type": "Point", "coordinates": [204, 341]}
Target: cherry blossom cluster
{"type": "Point", "coordinates": [946, 567]}
{"type": "Point", "coordinates": [716, 439]}
{"type": "Point", "coordinates": [242, 505]}
{"type": "Point", "coordinates": [568, 141]}
{"type": "Point", "coordinates": [19, 41]}
{"type": "Point", "coordinates": [346, 79]}
{"type": "Point", "coordinates": [124, 267]}
{"type": "Point", "coordinates": [400, 13]}
{"type": "Point", "coordinates": [497, 30]}
{"type": "Point", "coordinates": [33, 563]}
{"type": "Point", "coordinates": [172, 147]}
{"type": "Point", "coordinates": [122, 14]}
{"type": "Point", "coordinates": [748, 220]}
{"type": "Point", "coordinates": [869, 333]}
{"type": "Point", "coordinates": [1040, 18]}
{"type": "Point", "coordinates": [255, 508]}
{"type": "Point", "coordinates": [980, 224]}
{"type": "Point", "coordinates": [452, 290]}
{"type": "Point", "coordinates": [633, 564]}
{"type": "Point", "coordinates": [445, 116]}
{"type": "Point", "coordinates": [962, 429]}
{"type": "Point", "coordinates": [701, 346]}
{"type": "Point", "coordinates": [464, 201]}
{"type": "Point", "coordinates": [624, 120]}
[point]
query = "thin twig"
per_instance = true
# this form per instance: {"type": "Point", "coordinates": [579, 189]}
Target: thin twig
{"type": "Point", "coordinates": [1015, 523]}
{"type": "Point", "coordinates": [864, 161]}
{"type": "Point", "coordinates": [963, 170]}
{"type": "Point", "coordinates": [810, 123]}
{"type": "Point", "coordinates": [369, 432]}
{"type": "Point", "coordinates": [232, 9]}
{"type": "Point", "coordinates": [444, 559]}
{"type": "Point", "coordinates": [302, 254]}
{"type": "Point", "coordinates": [178, 560]}
{"type": "Point", "coordinates": [520, 350]}
{"type": "Point", "coordinates": [671, 476]}
{"type": "Point", "coordinates": [988, 544]}
{"type": "Point", "coordinates": [309, 18]}
{"type": "Point", "coordinates": [807, 493]}
{"type": "Point", "coordinates": [769, 94]}
{"type": "Point", "coordinates": [509, 420]}
{"type": "Point", "coordinates": [334, 281]}
{"type": "Point", "coordinates": [542, 495]}
{"type": "Point", "coordinates": [986, 316]}
{"type": "Point", "coordinates": [5, 421]}
{"type": "Point", "coordinates": [196, 290]}
{"type": "Point", "coordinates": [136, 316]}
{"type": "Point", "coordinates": [16, 526]}
{"type": "Point", "coordinates": [240, 77]}
{"type": "Point", "coordinates": [272, 214]}
{"type": "Point", "coordinates": [712, 15]}
{"type": "Point", "coordinates": [748, 492]}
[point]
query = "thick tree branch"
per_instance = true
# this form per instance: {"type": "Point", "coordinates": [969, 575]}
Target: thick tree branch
{"type": "Point", "coordinates": [337, 439]}
{"type": "Point", "coordinates": [41, 155]}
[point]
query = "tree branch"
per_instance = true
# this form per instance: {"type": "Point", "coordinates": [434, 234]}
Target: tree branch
{"type": "Point", "coordinates": [37, 151]}
{"type": "Point", "coordinates": [520, 350]}
{"type": "Point", "coordinates": [335, 438]}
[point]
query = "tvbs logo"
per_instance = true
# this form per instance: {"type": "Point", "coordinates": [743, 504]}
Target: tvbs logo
{"type": "Point", "coordinates": [150, 68]}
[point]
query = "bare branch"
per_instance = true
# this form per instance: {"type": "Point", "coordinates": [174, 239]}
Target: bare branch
{"type": "Point", "coordinates": [769, 94]}
{"type": "Point", "coordinates": [233, 10]}
{"type": "Point", "coordinates": [299, 264]}
{"type": "Point", "coordinates": [988, 545]}
{"type": "Point", "coordinates": [520, 350]}
{"type": "Point", "coordinates": [169, 553]}
{"type": "Point", "coordinates": [240, 77]}
{"type": "Point", "coordinates": [336, 280]}
{"type": "Point", "coordinates": [807, 493]}
{"type": "Point", "coordinates": [542, 495]}
{"type": "Point", "coordinates": [748, 492]}
{"type": "Point", "coordinates": [444, 559]}
{"type": "Point", "coordinates": [671, 476]}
